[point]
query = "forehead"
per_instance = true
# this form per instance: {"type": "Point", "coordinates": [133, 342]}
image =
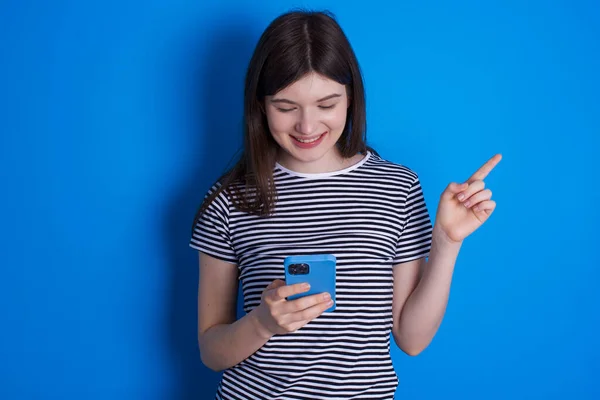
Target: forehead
{"type": "Point", "coordinates": [310, 87]}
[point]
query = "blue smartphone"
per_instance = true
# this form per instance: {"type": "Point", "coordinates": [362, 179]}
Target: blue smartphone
{"type": "Point", "coordinates": [317, 270]}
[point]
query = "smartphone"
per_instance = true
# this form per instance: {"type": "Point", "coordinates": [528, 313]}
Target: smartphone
{"type": "Point", "coordinates": [317, 270]}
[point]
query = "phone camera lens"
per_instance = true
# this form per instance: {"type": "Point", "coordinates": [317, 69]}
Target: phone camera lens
{"type": "Point", "coordinates": [298, 269]}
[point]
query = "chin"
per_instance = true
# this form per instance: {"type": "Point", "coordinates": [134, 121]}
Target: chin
{"type": "Point", "coordinates": [309, 155]}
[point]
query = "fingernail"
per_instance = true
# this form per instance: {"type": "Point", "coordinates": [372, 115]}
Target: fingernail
{"type": "Point", "coordinates": [305, 286]}
{"type": "Point", "coordinates": [461, 196]}
{"type": "Point", "coordinates": [476, 208]}
{"type": "Point", "coordinates": [330, 303]}
{"type": "Point", "coordinates": [326, 296]}
{"type": "Point", "coordinates": [467, 203]}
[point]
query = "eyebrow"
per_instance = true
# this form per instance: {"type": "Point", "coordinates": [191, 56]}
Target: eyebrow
{"type": "Point", "coordinates": [331, 96]}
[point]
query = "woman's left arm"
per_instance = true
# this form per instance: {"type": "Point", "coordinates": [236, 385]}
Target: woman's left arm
{"type": "Point", "coordinates": [421, 289]}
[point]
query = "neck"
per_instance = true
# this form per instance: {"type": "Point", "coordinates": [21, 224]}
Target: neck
{"type": "Point", "coordinates": [330, 162]}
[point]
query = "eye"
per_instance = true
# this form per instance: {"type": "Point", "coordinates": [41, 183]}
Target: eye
{"type": "Point", "coordinates": [284, 110]}
{"type": "Point", "coordinates": [327, 107]}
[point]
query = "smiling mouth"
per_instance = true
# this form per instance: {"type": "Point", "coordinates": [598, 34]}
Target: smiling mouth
{"type": "Point", "coordinates": [312, 140]}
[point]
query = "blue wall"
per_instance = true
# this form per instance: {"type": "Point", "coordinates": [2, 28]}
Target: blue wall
{"type": "Point", "coordinates": [117, 115]}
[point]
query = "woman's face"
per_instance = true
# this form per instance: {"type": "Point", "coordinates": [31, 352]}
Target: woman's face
{"type": "Point", "coordinates": [306, 119]}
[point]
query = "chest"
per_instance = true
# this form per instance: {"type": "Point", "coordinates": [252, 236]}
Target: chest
{"type": "Point", "coordinates": [351, 225]}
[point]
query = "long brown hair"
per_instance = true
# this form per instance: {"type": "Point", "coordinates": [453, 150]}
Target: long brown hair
{"type": "Point", "coordinates": [293, 45]}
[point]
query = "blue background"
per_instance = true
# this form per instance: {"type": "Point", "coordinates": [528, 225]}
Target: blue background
{"type": "Point", "coordinates": [117, 115]}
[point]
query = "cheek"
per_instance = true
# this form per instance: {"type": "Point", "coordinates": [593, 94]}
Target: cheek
{"type": "Point", "coordinates": [336, 120]}
{"type": "Point", "coordinates": [279, 122]}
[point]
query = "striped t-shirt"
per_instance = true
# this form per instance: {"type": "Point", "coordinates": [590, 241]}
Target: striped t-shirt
{"type": "Point", "coordinates": [371, 216]}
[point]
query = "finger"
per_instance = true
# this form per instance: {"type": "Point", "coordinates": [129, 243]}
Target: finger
{"type": "Point", "coordinates": [309, 313]}
{"type": "Point", "coordinates": [474, 187]}
{"type": "Point", "coordinates": [305, 302]}
{"type": "Point", "coordinates": [454, 188]}
{"type": "Point", "coordinates": [457, 187]}
{"type": "Point", "coordinates": [270, 292]}
{"type": "Point", "coordinates": [485, 169]}
{"type": "Point", "coordinates": [487, 206]}
{"type": "Point", "coordinates": [275, 284]}
{"type": "Point", "coordinates": [478, 198]}
{"type": "Point", "coordinates": [285, 291]}
{"type": "Point", "coordinates": [293, 327]}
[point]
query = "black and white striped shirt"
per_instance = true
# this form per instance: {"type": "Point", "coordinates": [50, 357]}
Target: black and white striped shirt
{"type": "Point", "coordinates": [371, 216]}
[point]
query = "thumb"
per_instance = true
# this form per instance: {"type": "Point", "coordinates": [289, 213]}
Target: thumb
{"type": "Point", "coordinates": [272, 286]}
{"type": "Point", "coordinates": [455, 188]}
{"type": "Point", "coordinates": [275, 284]}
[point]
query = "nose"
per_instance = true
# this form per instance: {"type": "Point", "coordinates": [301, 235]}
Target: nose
{"type": "Point", "coordinates": [307, 123]}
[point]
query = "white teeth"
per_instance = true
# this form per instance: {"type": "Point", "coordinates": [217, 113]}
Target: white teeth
{"type": "Point", "coordinates": [308, 141]}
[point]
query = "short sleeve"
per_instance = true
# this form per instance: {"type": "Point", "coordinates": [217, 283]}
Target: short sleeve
{"type": "Point", "coordinates": [211, 232]}
{"type": "Point", "coordinates": [415, 237]}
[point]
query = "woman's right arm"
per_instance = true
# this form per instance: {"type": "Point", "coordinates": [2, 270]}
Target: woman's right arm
{"type": "Point", "coordinates": [225, 342]}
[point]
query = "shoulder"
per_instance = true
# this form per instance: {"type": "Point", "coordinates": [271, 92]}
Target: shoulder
{"type": "Point", "coordinates": [398, 172]}
{"type": "Point", "coordinates": [217, 199]}
{"type": "Point", "coordinates": [216, 189]}
{"type": "Point", "coordinates": [225, 193]}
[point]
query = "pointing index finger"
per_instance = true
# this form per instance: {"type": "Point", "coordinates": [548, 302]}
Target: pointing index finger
{"type": "Point", "coordinates": [485, 169]}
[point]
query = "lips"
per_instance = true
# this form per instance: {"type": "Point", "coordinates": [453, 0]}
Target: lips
{"type": "Point", "coordinates": [308, 140]}
{"type": "Point", "coordinates": [308, 143]}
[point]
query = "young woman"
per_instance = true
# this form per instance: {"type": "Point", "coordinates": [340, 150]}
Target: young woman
{"type": "Point", "coordinates": [307, 183]}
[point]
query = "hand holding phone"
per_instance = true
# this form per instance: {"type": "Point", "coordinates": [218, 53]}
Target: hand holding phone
{"type": "Point", "coordinates": [318, 270]}
{"type": "Point", "coordinates": [276, 315]}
